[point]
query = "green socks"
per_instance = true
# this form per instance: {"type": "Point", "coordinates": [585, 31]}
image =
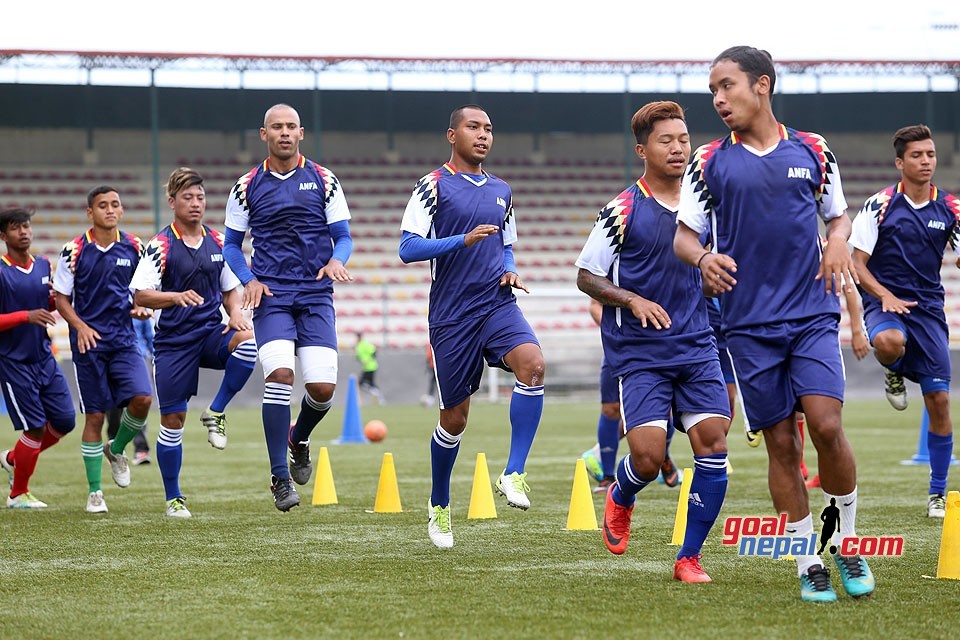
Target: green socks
{"type": "Point", "coordinates": [129, 428]}
{"type": "Point", "coordinates": [92, 462]}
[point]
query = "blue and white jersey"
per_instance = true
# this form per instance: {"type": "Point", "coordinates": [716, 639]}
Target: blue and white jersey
{"type": "Point", "coordinates": [906, 240]}
{"type": "Point", "coordinates": [445, 203]}
{"type": "Point", "coordinates": [169, 264]}
{"type": "Point", "coordinates": [288, 216]}
{"type": "Point", "coordinates": [97, 281]}
{"type": "Point", "coordinates": [631, 244]}
{"type": "Point", "coordinates": [762, 208]}
{"type": "Point", "coordinates": [25, 289]}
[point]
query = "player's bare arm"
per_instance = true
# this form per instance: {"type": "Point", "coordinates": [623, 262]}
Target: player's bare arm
{"type": "Point", "coordinates": [87, 336]}
{"type": "Point", "coordinates": [335, 271]}
{"type": "Point", "coordinates": [232, 304]}
{"type": "Point", "coordinates": [153, 299]}
{"type": "Point", "coordinates": [871, 285]}
{"type": "Point", "coordinates": [858, 336]}
{"type": "Point", "coordinates": [836, 265]}
{"type": "Point", "coordinates": [511, 279]}
{"type": "Point", "coordinates": [609, 294]}
{"type": "Point", "coordinates": [480, 232]}
{"type": "Point", "coordinates": [716, 269]}
{"type": "Point", "coordinates": [253, 291]}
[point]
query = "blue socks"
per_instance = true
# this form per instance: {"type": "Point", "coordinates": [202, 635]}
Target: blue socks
{"type": "Point", "coordinates": [311, 413]}
{"type": "Point", "coordinates": [940, 449]}
{"type": "Point", "coordinates": [276, 425]}
{"type": "Point", "coordinates": [526, 406]}
{"type": "Point", "coordinates": [628, 483]}
{"type": "Point", "coordinates": [170, 458]}
{"type": "Point", "coordinates": [443, 453]}
{"type": "Point", "coordinates": [608, 437]}
{"type": "Point", "coordinates": [707, 491]}
{"type": "Point", "coordinates": [239, 367]}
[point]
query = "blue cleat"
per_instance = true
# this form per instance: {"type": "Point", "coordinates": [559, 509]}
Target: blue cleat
{"type": "Point", "coordinates": [856, 575]}
{"type": "Point", "coordinates": [594, 468]}
{"type": "Point", "coordinates": [815, 585]}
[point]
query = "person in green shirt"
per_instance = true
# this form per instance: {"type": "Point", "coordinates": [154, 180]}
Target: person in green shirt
{"type": "Point", "coordinates": [366, 354]}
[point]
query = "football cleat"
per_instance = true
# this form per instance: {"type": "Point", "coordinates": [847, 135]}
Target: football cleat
{"type": "Point", "coordinates": [300, 465]}
{"type": "Point", "coordinates": [96, 503]}
{"type": "Point", "coordinates": [604, 484]}
{"type": "Point", "coordinates": [815, 585]}
{"type": "Point", "coordinates": [119, 468]}
{"type": "Point", "coordinates": [689, 570]}
{"type": "Point", "coordinates": [177, 508]}
{"type": "Point", "coordinates": [25, 501]}
{"type": "Point", "coordinates": [285, 496]}
{"type": "Point", "coordinates": [514, 488]}
{"type": "Point", "coordinates": [813, 482]}
{"type": "Point", "coordinates": [592, 462]}
{"type": "Point", "coordinates": [753, 437]}
{"type": "Point", "coordinates": [856, 575]}
{"type": "Point", "coordinates": [895, 389]}
{"type": "Point", "coordinates": [216, 424]}
{"type": "Point", "coordinates": [936, 506]}
{"type": "Point", "coordinates": [616, 524]}
{"type": "Point", "coordinates": [439, 527]}
{"type": "Point", "coordinates": [140, 457]}
{"type": "Point", "coordinates": [670, 474]}
{"type": "Point", "coordinates": [7, 466]}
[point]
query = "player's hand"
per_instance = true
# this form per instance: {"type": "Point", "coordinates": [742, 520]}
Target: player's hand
{"type": "Point", "coordinates": [716, 270]}
{"type": "Point", "coordinates": [335, 271]}
{"type": "Point", "coordinates": [41, 317]}
{"type": "Point", "coordinates": [511, 279]}
{"type": "Point", "coordinates": [648, 311]}
{"type": "Point", "coordinates": [893, 304]}
{"type": "Point", "coordinates": [188, 298]}
{"type": "Point", "coordinates": [236, 322]}
{"type": "Point", "coordinates": [141, 313]}
{"type": "Point", "coordinates": [861, 346]}
{"type": "Point", "coordinates": [836, 267]}
{"type": "Point", "coordinates": [87, 338]}
{"type": "Point", "coordinates": [253, 291]}
{"type": "Point", "coordinates": [480, 232]}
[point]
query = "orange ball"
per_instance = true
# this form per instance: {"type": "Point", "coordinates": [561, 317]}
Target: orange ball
{"type": "Point", "coordinates": [375, 430]}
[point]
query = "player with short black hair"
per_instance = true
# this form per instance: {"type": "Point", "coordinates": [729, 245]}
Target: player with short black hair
{"type": "Point", "coordinates": [461, 219]}
{"type": "Point", "coordinates": [33, 385]}
{"type": "Point", "coordinates": [898, 241]}
{"type": "Point", "coordinates": [92, 287]}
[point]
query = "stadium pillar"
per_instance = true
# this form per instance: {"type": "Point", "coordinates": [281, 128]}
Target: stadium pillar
{"type": "Point", "coordinates": [317, 111]}
{"type": "Point", "coordinates": [628, 140]}
{"type": "Point", "coordinates": [155, 147]}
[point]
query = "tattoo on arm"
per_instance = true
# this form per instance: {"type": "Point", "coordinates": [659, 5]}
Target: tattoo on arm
{"type": "Point", "coordinates": [602, 290]}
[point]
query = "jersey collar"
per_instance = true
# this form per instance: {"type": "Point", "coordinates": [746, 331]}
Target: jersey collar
{"type": "Point", "coordinates": [302, 162]}
{"type": "Point", "coordinates": [89, 236]}
{"type": "Point", "coordinates": [933, 190]}
{"type": "Point", "coordinates": [7, 260]}
{"type": "Point", "coordinates": [735, 139]}
{"type": "Point", "coordinates": [644, 188]}
{"type": "Point", "coordinates": [178, 236]}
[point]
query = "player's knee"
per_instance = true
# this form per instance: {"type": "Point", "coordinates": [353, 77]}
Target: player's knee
{"type": "Point", "coordinates": [532, 371]}
{"type": "Point", "coordinates": [610, 410]}
{"type": "Point", "coordinates": [281, 376]}
{"type": "Point", "coordinates": [938, 405]}
{"type": "Point", "coordinates": [709, 437]}
{"type": "Point", "coordinates": [889, 345]}
{"type": "Point", "coordinates": [647, 463]}
{"type": "Point", "coordinates": [140, 405]}
{"type": "Point", "coordinates": [321, 391]}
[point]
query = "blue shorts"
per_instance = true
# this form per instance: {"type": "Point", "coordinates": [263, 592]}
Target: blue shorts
{"type": "Point", "coordinates": [928, 339]}
{"type": "Point", "coordinates": [177, 371]}
{"type": "Point", "coordinates": [307, 318]}
{"type": "Point", "coordinates": [609, 384]}
{"type": "Point", "coordinates": [459, 350]}
{"type": "Point", "coordinates": [653, 394]}
{"type": "Point", "coordinates": [37, 393]}
{"type": "Point", "coordinates": [108, 379]}
{"type": "Point", "coordinates": [779, 363]}
{"type": "Point", "coordinates": [726, 367]}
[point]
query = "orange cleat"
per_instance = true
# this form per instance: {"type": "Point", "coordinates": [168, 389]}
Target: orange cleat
{"type": "Point", "coordinates": [689, 570]}
{"type": "Point", "coordinates": [813, 482]}
{"type": "Point", "coordinates": [616, 524]}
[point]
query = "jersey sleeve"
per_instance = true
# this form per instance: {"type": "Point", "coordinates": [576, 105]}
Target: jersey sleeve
{"type": "Point", "coordinates": [606, 238]}
{"type": "Point", "coordinates": [953, 205]}
{"type": "Point", "coordinates": [509, 224]}
{"type": "Point", "coordinates": [418, 216]}
{"type": "Point", "coordinates": [228, 280]}
{"type": "Point", "coordinates": [696, 201]}
{"type": "Point", "coordinates": [237, 215]}
{"type": "Point", "coordinates": [149, 273]}
{"type": "Point", "coordinates": [63, 277]}
{"type": "Point", "coordinates": [865, 230]}
{"type": "Point", "coordinates": [830, 201]}
{"type": "Point", "coordinates": [336, 202]}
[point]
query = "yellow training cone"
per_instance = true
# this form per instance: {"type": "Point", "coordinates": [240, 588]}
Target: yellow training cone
{"type": "Point", "coordinates": [949, 563]}
{"type": "Point", "coordinates": [388, 494]}
{"type": "Point", "coordinates": [680, 524]}
{"type": "Point", "coordinates": [582, 516]}
{"type": "Point", "coordinates": [481, 498]}
{"type": "Point", "coordinates": [324, 491]}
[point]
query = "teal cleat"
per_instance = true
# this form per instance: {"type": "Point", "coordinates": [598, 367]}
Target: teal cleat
{"type": "Point", "coordinates": [815, 585]}
{"type": "Point", "coordinates": [856, 575]}
{"type": "Point", "coordinates": [594, 468]}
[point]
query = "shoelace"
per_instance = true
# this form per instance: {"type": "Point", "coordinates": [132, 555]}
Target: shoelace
{"type": "Point", "coordinates": [820, 580]}
{"type": "Point", "coordinates": [693, 562]}
{"type": "Point", "coordinates": [895, 383]}
{"type": "Point", "coordinates": [852, 566]}
{"type": "Point", "coordinates": [519, 481]}
{"type": "Point", "coordinates": [178, 504]}
{"type": "Point", "coordinates": [442, 519]}
{"type": "Point", "coordinates": [939, 502]}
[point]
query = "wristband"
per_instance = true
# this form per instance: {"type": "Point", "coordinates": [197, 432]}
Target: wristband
{"type": "Point", "coordinates": [704, 255]}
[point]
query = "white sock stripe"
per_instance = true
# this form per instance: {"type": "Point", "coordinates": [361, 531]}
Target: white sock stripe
{"type": "Point", "coordinates": [91, 449]}
{"type": "Point", "coordinates": [277, 393]}
{"type": "Point", "coordinates": [29, 442]}
{"type": "Point", "coordinates": [444, 439]}
{"type": "Point", "coordinates": [528, 391]}
{"type": "Point", "coordinates": [170, 437]}
{"type": "Point", "coordinates": [246, 351]}
{"type": "Point", "coordinates": [316, 404]}
{"type": "Point", "coordinates": [710, 464]}
{"type": "Point", "coordinates": [631, 475]}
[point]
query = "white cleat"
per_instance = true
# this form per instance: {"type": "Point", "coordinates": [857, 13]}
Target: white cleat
{"type": "Point", "coordinates": [119, 468]}
{"type": "Point", "coordinates": [514, 488]}
{"type": "Point", "coordinates": [96, 503]}
{"type": "Point", "coordinates": [895, 389]}
{"type": "Point", "coordinates": [177, 508]}
{"type": "Point", "coordinates": [216, 424]}
{"type": "Point", "coordinates": [25, 501]}
{"type": "Point", "coordinates": [439, 527]}
{"type": "Point", "coordinates": [6, 465]}
{"type": "Point", "coordinates": [936, 506]}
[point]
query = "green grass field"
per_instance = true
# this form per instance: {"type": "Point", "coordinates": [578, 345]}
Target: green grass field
{"type": "Point", "coordinates": [241, 569]}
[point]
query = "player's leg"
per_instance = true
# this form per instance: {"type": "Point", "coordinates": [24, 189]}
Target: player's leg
{"type": "Point", "coordinates": [91, 449]}
{"type": "Point", "coordinates": [236, 353]}
{"type": "Point", "coordinates": [319, 366]}
{"type": "Point", "coordinates": [130, 388]}
{"type": "Point", "coordinates": [94, 395]}
{"type": "Point", "coordinates": [888, 335]}
{"type": "Point", "coordinates": [801, 424]}
{"type": "Point", "coordinates": [277, 358]}
{"type": "Point", "coordinates": [936, 398]}
{"type": "Point", "coordinates": [601, 461]}
{"type": "Point", "coordinates": [177, 372]}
